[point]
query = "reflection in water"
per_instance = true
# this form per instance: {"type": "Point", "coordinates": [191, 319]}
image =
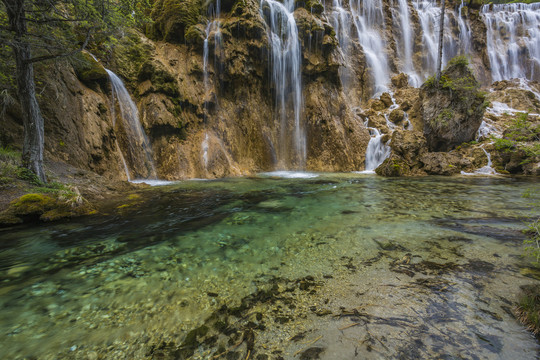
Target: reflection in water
{"type": "Point", "coordinates": [392, 268]}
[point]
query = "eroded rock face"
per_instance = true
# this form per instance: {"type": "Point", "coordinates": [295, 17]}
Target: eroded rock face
{"type": "Point", "coordinates": [452, 111]}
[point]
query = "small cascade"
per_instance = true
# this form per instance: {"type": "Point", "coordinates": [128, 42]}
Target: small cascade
{"type": "Point", "coordinates": [285, 60]}
{"type": "Point", "coordinates": [513, 40]}
{"type": "Point", "coordinates": [204, 148]}
{"type": "Point", "coordinates": [376, 151]}
{"type": "Point", "coordinates": [368, 18]}
{"type": "Point", "coordinates": [405, 42]}
{"type": "Point", "coordinates": [138, 149]}
{"type": "Point", "coordinates": [484, 170]}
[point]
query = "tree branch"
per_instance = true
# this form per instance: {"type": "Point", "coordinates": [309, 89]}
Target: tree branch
{"type": "Point", "coordinates": [54, 56]}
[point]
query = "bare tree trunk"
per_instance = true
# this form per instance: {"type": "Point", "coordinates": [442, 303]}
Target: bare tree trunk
{"type": "Point", "coordinates": [441, 43]}
{"type": "Point", "coordinates": [32, 156]}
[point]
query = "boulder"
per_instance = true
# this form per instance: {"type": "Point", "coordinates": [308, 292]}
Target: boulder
{"type": "Point", "coordinates": [400, 81]}
{"type": "Point", "coordinates": [397, 116]}
{"type": "Point", "coordinates": [452, 110]}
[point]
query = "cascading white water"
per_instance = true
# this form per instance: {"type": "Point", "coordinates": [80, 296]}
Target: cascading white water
{"type": "Point", "coordinates": [464, 31]}
{"type": "Point", "coordinates": [138, 149]}
{"type": "Point", "coordinates": [368, 19]}
{"type": "Point", "coordinates": [513, 40]}
{"type": "Point", "coordinates": [429, 12]}
{"type": "Point", "coordinates": [213, 27]}
{"type": "Point", "coordinates": [285, 59]}
{"type": "Point", "coordinates": [376, 151]}
{"type": "Point", "coordinates": [484, 170]}
{"type": "Point", "coordinates": [341, 21]}
{"type": "Point", "coordinates": [405, 42]}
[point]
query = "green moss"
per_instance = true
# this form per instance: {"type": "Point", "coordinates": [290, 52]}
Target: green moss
{"type": "Point", "coordinates": [162, 81]}
{"type": "Point", "coordinates": [87, 69]}
{"type": "Point", "coordinates": [195, 35]}
{"type": "Point", "coordinates": [129, 54]}
{"type": "Point", "coordinates": [172, 18]}
{"type": "Point", "coordinates": [32, 204]}
{"type": "Point", "coordinates": [442, 118]}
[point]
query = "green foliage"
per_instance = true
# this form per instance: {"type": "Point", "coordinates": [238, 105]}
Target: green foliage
{"type": "Point", "coordinates": [9, 164]}
{"type": "Point", "coordinates": [460, 60]}
{"type": "Point", "coordinates": [27, 175]}
{"type": "Point", "coordinates": [444, 117]}
{"type": "Point", "coordinates": [504, 144]}
{"type": "Point", "coordinates": [532, 242]}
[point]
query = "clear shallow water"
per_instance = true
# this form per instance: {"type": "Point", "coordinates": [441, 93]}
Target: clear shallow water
{"type": "Point", "coordinates": [356, 264]}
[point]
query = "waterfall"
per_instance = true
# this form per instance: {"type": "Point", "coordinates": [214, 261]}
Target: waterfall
{"type": "Point", "coordinates": [464, 31]}
{"type": "Point", "coordinates": [368, 18]}
{"type": "Point", "coordinates": [513, 35]}
{"type": "Point", "coordinates": [138, 150]}
{"type": "Point", "coordinates": [376, 151]}
{"type": "Point", "coordinates": [285, 60]}
{"type": "Point", "coordinates": [341, 21]}
{"type": "Point", "coordinates": [484, 170]}
{"type": "Point", "coordinates": [405, 43]}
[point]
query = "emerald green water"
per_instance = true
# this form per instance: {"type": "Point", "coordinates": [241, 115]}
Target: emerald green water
{"type": "Point", "coordinates": [353, 266]}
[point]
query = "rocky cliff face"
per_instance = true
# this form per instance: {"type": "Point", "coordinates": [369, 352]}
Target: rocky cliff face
{"type": "Point", "coordinates": [212, 104]}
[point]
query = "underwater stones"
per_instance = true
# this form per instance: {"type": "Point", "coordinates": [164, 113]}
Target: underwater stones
{"type": "Point", "coordinates": [453, 110]}
{"type": "Point", "coordinates": [311, 353]}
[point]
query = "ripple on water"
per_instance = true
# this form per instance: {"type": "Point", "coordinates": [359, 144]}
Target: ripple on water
{"type": "Point", "coordinates": [344, 265]}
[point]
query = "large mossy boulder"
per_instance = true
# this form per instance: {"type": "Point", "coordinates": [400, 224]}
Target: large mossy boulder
{"type": "Point", "coordinates": [172, 18]}
{"type": "Point", "coordinates": [453, 109]}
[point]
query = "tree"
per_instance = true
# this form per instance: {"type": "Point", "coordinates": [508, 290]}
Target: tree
{"type": "Point", "coordinates": [441, 43]}
{"type": "Point", "coordinates": [42, 27]}
{"type": "Point", "coordinates": [19, 14]}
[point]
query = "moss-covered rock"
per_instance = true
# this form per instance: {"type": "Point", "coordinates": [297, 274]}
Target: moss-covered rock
{"type": "Point", "coordinates": [195, 35]}
{"type": "Point", "coordinates": [453, 109]}
{"type": "Point", "coordinates": [88, 70]}
{"type": "Point", "coordinates": [162, 80]}
{"type": "Point", "coordinates": [393, 166]}
{"type": "Point", "coordinates": [173, 17]}
{"type": "Point", "coordinates": [43, 207]}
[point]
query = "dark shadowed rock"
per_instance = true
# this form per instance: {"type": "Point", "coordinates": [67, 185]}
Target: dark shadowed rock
{"type": "Point", "coordinates": [452, 111]}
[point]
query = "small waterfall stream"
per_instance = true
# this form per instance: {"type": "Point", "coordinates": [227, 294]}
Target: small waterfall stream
{"type": "Point", "coordinates": [213, 27]}
{"type": "Point", "coordinates": [376, 151]}
{"type": "Point", "coordinates": [285, 60]}
{"type": "Point", "coordinates": [513, 40]}
{"type": "Point", "coordinates": [138, 149]}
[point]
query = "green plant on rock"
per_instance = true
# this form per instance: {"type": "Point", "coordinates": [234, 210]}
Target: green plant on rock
{"type": "Point", "coordinates": [504, 145]}
{"type": "Point", "coordinates": [532, 243]}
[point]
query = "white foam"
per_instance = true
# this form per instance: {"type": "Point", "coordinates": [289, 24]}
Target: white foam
{"type": "Point", "coordinates": [290, 174]}
{"type": "Point", "coordinates": [153, 182]}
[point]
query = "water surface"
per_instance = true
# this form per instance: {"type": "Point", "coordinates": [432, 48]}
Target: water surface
{"type": "Point", "coordinates": [338, 266]}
